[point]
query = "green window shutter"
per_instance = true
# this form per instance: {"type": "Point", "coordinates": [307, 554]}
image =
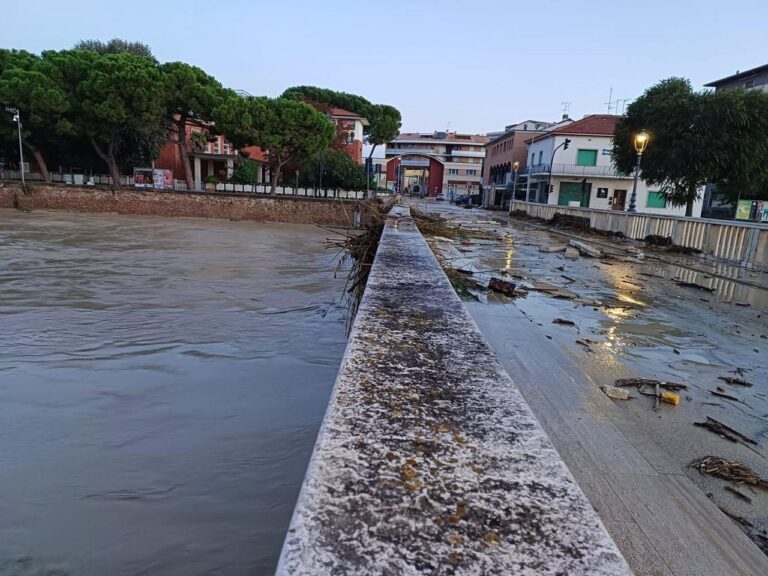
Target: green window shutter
{"type": "Point", "coordinates": [656, 200]}
{"type": "Point", "coordinates": [572, 192]}
{"type": "Point", "coordinates": [586, 157]}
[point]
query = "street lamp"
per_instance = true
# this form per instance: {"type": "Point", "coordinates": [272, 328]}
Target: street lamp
{"type": "Point", "coordinates": [641, 141]}
{"type": "Point", "coordinates": [515, 168]}
{"type": "Point", "coordinates": [17, 119]}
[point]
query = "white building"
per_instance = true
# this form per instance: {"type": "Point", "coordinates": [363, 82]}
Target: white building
{"type": "Point", "coordinates": [582, 174]}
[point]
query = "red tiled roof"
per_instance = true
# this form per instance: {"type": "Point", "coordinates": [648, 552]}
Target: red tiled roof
{"type": "Point", "coordinates": [595, 124]}
{"type": "Point", "coordinates": [592, 125]}
{"type": "Point", "coordinates": [341, 112]}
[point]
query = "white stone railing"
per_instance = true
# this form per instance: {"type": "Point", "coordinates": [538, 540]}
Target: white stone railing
{"type": "Point", "coordinates": [429, 460]}
{"type": "Point", "coordinates": [742, 243]}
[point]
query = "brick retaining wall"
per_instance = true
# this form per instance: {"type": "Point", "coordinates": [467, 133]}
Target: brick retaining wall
{"type": "Point", "coordinates": [156, 203]}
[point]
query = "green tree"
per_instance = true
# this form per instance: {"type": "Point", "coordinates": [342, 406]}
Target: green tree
{"type": "Point", "coordinates": [245, 172]}
{"type": "Point", "coordinates": [739, 118]}
{"type": "Point", "coordinates": [332, 169]}
{"type": "Point", "coordinates": [288, 130]}
{"type": "Point", "coordinates": [119, 101]}
{"type": "Point", "coordinates": [26, 85]}
{"type": "Point", "coordinates": [680, 158]}
{"type": "Point", "coordinates": [191, 95]}
{"type": "Point", "coordinates": [115, 46]}
{"type": "Point", "coordinates": [384, 121]}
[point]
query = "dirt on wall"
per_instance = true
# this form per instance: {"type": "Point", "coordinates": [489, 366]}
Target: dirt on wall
{"type": "Point", "coordinates": [333, 212]}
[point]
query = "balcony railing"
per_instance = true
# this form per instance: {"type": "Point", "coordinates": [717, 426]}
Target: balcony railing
{"type": "Point", "coordinates": [417, 162]}
{"type": "Point", "coordinates": [468, 154]}
{"type": "Point", "coordinates": [397, 151]}
{"type": "Point", "coordinates": [574, 170]}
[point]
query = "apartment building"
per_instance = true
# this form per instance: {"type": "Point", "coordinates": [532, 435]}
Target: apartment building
{"type": "Point", "coordinates": [581, 172]}
{"type": "Point", "coordinates": [502, 152]}
{"type": "Point", "coordinates": [440, 162]}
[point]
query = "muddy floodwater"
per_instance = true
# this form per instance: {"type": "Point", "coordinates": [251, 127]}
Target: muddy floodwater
{"type": "Point", "coordinates": [162, 382]}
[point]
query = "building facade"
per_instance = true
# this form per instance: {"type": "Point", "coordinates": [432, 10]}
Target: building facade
{"type": "Point", "coordinates": [210, 155]}
{"type": "Point", "coordinates": [754, 79]}
{"type": "Point", "coordinates": [441, 162]}
{"type": "Point", "coordinates": [501, 153]}
{"type": "Point", "coordinates": [582, 173]}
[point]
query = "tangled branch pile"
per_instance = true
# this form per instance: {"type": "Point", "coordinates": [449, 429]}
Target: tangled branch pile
{"type": "Point", "coordinates": [356, 252]}
{"type": "Point", "coordinates": [728, 470]}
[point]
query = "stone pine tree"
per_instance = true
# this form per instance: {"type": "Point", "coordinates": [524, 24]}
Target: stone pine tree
{"type": "Point", "coordinates": [290, 131]}
{"type": "Point", "coordinates": [679, 159]}
{"type": "Point", "coordinates": [191, 95]}
{"type": "Point", "coordinates": [384, 121]}
{"type": "Point", "coordinates": [115, 46]}
{"type": "Point", "coordinates": [26, 85]}
{"type": "Point", "coordinates": [119, 102]}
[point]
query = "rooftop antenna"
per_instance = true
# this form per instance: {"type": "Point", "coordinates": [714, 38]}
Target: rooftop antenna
{"type": "Point", "coordinates": [623, 104]}
{"type": "Point", "coordinates": [448, 128]}
{"type": "Point", "coordinates": [566, 106]}
{"type": "Point", "coordinates": [610, 100]}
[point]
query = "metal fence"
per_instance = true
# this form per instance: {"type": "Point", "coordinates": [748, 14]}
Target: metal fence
{"type": "Point", "coordinates": [86, 180]}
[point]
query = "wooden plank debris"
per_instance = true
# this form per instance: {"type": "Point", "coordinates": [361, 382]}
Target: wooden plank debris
{"type": "Point", "coordinates": [586, 249]}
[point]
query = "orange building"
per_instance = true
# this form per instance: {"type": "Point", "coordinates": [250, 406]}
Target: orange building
{"type": "Point", "coordinates": [209, 154]}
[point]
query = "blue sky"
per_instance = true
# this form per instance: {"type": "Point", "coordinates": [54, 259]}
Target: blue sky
{"type": "Point", "coordinates": [477, 65]}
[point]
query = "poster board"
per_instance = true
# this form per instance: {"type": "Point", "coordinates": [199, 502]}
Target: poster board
{"type": "Point", "coordinates": [143, 178]}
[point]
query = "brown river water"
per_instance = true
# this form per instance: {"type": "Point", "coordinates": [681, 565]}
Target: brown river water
{"type": "Point", "coordinates": [162, 382]}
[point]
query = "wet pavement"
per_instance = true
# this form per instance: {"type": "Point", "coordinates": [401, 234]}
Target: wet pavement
{"type": "Point", "coordinates": [633, 319]}
{"type": "Point", "coordinates": [162, 382]}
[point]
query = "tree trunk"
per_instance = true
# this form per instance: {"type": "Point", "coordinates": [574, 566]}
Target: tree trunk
{"type": "Point", "coordinates": [181, 139]}
{"type": "Point", "coordinates": [39, 159]}
{"type": "Point", "coordinates": [370, 155]}
{"type": "Point", "coordinates": [274, 177]}
{"type": "Point", "coordinates": [108, 156]}
{"type": "Point", "coordinates": [691, 200]}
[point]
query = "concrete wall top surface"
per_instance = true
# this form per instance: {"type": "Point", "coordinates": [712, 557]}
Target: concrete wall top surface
{"type": "Point", "coordinates": [429, 461]}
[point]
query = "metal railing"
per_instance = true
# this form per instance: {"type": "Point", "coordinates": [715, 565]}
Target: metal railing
{"type": "Point", "coordinates": [574, 170]}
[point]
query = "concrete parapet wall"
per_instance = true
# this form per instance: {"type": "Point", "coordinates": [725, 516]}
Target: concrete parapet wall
{"type": "Point", "coordinates": [742, 243]}
{"type": "Point", "coordinates": [294, 210]}
{"type": "Point", "coordinates": [429, 461]}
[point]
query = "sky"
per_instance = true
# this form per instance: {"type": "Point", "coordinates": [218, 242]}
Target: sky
{"type": "Point", "coordinates": [471, 66]}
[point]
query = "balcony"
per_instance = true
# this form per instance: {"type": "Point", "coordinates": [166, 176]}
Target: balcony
{"type": "Point", "coordinates": [399, 151]}
{"type": "Point", "coordinates": [468, 154]}
{"type": "Point", "coordinates": [415, 162]}
{"type": "Point", "coordinates": [574, 170]}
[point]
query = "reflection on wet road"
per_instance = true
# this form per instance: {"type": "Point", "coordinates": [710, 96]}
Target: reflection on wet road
{"type": "Point", "coordinates": [633, 318]}
{"type": "Point", "coordinates": [161, 386]}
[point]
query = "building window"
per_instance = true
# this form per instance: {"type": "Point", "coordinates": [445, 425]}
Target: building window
{"type": "Point", "coordinates": [533, 158]}
{"type": "Point", "coordinates": [541, 156]}
{"type": "Point", "coordinates": [453, 171]}
{"type": "Point", "coordinates": [586, 157]}
{"type": "Point", "coordinates": [471, 172]}
{"type": "Point", "coordinates": [656, 200]}
{"type": "Point", "coordinates": [749, 84]}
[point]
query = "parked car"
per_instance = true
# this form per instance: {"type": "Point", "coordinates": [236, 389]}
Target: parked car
{"type": "Point", "coordinates": [440, 197]}
{"type": "Point", "coordinates": [468, 200]}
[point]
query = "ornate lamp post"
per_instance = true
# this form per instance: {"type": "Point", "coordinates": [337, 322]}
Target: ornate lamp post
{"type": "Point", "coordinates": [641, 141]}
{"type": "Point", "coordinates": [515, 168]}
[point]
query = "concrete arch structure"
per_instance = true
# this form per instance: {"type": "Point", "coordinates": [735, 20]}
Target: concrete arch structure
{"type": "Point", "coordinates": [436, 170]}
